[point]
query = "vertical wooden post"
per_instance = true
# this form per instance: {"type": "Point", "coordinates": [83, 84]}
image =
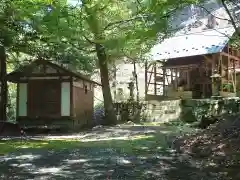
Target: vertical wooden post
{"type": "Point", "coordinates": [188, 78]}
{"type": "Point", "coordinates": [202, 84]}
{"type": "Point", "coordinates": [71, 97]}
{"type": "Point", "coordinates": [17, 101]}
{"type": "Point", "coordinates": [234, 76]}
{"type": "Point", "coordinates": [155, 75]}
{"type": "Point", "coordinates": [146, 79]}
{"type": "Point", "coordinates": [176, 79]}
{"type": "Point", "coordinates": [221, 70]}
{"type": "Point", "coordinates": [213, 69]}
{"type": "Point", "coordinates": [228, 63]}
{"type": "Point", "coordinates": [164, 80]}
{"type": "Point", "coordinates": [115, 82]}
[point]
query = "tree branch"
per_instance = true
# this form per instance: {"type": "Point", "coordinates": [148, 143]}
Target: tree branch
{"type": "Point", "coordinates": [231, 17]}
{"type": "Point", "coordinates": [209, 12]}
{"type": "Point", "coordinates": [90, 41]}
{"type": "Point", "coordinates": [136, 18]}
{"type": "Point", "coordinates": [120, 22]}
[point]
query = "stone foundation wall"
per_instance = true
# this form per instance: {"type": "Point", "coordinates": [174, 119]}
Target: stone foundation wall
{"type": "Point", "coordinates": [186, 110]}
{"type": "Point", "coordinates": [151, 111]}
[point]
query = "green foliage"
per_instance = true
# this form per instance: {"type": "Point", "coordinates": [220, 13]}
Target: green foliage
{"type": "Point", "coordinates": [228, 87]}
{"type": "Point", "coordinates": [59, 31]}
{"type": "Point", "coordinates": [11, 108]}
{"type": "Point", "coordinates": [206, 112]}
{"type": "Point", "coordinates": [131, 111]}
{"type": "Point", "coordinates": [42, 29]}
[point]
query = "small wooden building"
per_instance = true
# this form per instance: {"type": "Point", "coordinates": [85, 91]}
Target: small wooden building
{"type": "Point", "coordinates": [200, 45]}
{"type": "Point", "coordinates": [52, 96]}
{"type": "Point", "coordinates": [184, 71]}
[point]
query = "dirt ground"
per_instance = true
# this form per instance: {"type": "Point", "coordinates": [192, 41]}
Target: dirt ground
{"type": "Point", "coordinates": [111, 153]}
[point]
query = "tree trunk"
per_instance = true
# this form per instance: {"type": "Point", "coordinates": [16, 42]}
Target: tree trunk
{"type": "Point", "coordinates": [137, 117]}
{"type": "Point", "coordinates": [115, 81]}
{"type": "Point", "coordinates": [110, 114]}
{"type": "Point", "coordinates": [136, 79]}
{"type": "Point", "coordinates": [3, 92]}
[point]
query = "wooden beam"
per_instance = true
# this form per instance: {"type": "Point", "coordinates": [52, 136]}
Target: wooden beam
{"type": "Point", "coordinates": [238, 55]}
{"type": "Point", "coordinates": [155, 79]}
{"type": "Point", "coordinates": [188, 79]}
{"type": "Point", "coordinates": [221, 70]}
{"type": "Point", "coordinates": [234, 77]}
{"type": "Point", "coordinates": [71, 98]}
{"type": "Point", "coordinates": [176, 82]}
{"type": "Point", "coordinates": [164, 76]}
{"type": "Point", "coordinates": [40, 75]}
{"type": "Point", "coordinates": [213, 69]}
{"type": "Point", "coordinates": [149, 80]}
{"type": "Point", "coordinates": [146, 78]}
{"type": "Point", "coordinates": [29, 80]}
{"type": "Point", "coordinates": [230, 56]}
{"type": "Point", "coordinates": [182, 66]}
{"type": "Point", "coordinates": [171, 71]}
{"type": "Point", "coordinates": [228, 64]}
{"type": "Point", "coordinates": [161, 74]}
{"type": "Point", "coordinates": [17, 101]}
{"type": "Point", "coordinates": [156, 72]}
{"type": "Point", "coordinates": [157, 83]}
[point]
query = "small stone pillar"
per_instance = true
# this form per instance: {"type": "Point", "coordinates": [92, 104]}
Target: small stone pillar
{"type": "Point", "coordinates": [216, 77]}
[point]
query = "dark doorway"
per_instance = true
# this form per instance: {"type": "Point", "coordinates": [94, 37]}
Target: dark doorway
{"type": "Point", "coordinates": [44, 98]}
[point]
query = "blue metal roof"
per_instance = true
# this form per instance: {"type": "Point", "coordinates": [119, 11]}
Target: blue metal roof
{"type": "Point", "coordinates": [194, 37]}
{"type": "Point", "coordinates": [205, 42]}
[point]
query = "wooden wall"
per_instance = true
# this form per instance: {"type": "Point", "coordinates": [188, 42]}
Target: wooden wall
{"type": "Point", "coordinates": [82, 103]}
{"type": "Point", "coordinates": [22, 100]}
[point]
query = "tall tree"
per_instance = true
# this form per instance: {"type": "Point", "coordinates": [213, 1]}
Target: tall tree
{"type": "Point", "coordinates": [111, 26]}
{"type": "Point", "coordinates": [78, 34]}
{"type": "Point", "coordinates": [12, 28]}
{"type": "Point", "coordinates": [39, 29]}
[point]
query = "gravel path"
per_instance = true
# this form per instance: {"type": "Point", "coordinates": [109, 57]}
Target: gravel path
{"type": "Point", "coordinates": [101, 163]}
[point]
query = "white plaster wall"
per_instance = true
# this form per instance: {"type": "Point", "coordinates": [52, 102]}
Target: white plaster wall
{"type": "Point", "coordinates": [65, 99]}
{"type": "Point", "coordinates": [123, 76]}
{"type": "Point", "coordinates": [124, 73]}
{"type": "Point", "coordinates": [22, 103]}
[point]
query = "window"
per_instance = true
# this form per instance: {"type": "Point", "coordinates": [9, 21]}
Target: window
{"type": "Point", "coordinates": [85, 89]}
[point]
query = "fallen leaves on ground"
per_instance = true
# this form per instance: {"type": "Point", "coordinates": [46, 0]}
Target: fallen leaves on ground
{"type": "Point", "coordinates": [217, 147]}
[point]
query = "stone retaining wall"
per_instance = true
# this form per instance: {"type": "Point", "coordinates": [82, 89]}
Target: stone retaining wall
{"type": "Point", "coordinates": [186, 110]}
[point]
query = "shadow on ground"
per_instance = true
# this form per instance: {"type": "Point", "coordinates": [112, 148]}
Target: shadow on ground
{"type": "Point", "coordinates": [149, 156]}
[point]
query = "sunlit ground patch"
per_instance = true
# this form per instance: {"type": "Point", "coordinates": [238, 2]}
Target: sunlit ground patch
{"type": "Point", "coordinates": [8, 146]}
{"type": "Point", "coordinates": [122, 140]}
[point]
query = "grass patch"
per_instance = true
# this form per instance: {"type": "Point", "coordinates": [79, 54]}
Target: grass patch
{"type": "Point", "coordinates": [141, 144]}
{"type": "Point", "coordinates": [11, 146]}
{"type": "Point", "coordinates": [8, 146]}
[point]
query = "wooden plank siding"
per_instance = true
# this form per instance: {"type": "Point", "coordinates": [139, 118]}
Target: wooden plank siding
{"type": "Point", "coordinates": [44, 98]}
{"type": "Point", "coordinates": [82, 98]}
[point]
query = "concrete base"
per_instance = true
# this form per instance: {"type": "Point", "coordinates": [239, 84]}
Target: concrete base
{"type": "Point", "coordinates": [216, 97]}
